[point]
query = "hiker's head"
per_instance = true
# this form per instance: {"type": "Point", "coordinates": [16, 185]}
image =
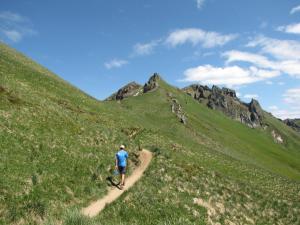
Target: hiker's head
{"type": "Point", "coordinates": [122, 147]}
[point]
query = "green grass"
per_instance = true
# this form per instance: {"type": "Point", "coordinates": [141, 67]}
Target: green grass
{"type": "Point", "coordinates": [57, 147]}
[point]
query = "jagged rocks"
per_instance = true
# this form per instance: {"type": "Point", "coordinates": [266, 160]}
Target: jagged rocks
{"type": "Point", "coordinates": [226, 101]}
{"type": "Point", "coordinates": [152, 83]}
{"type": "Point", "coordinates": [177, 109]}
{"type": "Point", "coordinates": [293, 124]}
{"type": "Point", "coordinates": [131, 89]}
{"type": "Point", "coordinates": [134, 89]}
{"type": "Point", "coordinates": [277, 137]}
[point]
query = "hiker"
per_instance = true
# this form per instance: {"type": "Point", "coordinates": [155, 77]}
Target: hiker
{"type": "Point", "coordinates": [121, 162]}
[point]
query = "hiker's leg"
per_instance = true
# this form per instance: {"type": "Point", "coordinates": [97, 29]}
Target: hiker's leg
{"type": "Point", "coordinates": [120, 172]}
{"type": "Point", "coordinates": [123, 179]}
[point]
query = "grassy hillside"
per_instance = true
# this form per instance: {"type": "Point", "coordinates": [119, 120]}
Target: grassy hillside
{"type": "Point", "coordinates": [57, 146]}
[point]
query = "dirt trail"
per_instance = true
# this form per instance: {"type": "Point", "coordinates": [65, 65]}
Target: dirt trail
{"type": "Point", "coordinates": [96, 207]}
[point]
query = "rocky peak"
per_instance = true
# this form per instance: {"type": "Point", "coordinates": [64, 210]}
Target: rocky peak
{"type": "Point", "coordinates": [131, 89]}
{"type": "Point", "coordinates": [226, 101]}
{"type": "Point", "coordinates": [152, 83]}
{"type": "Point", "coordinates": [229, 92]}
{"type": "Point", "coordinates": [255, 107]}
{"type": "Point", "coordinates": [293, 123]}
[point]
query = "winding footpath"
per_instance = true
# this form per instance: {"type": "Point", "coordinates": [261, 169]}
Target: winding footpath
{"type": "Point", "coordinates": [96, 207]}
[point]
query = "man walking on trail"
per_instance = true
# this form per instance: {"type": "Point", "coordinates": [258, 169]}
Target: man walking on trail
{"type": "Point", "coordinates": [121, 162]}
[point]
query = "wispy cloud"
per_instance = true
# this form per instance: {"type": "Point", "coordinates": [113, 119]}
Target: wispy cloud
{"type": "Point", "coordinates": [263, 24]}
{"type": "Point", "coordinates": [145, 48]}
{"type": "Point", "coordinates": [284, 113]}
{"type": "Point", "coordinates": [13, 35]}
{"type": "Point", "coordinates": [228, 76]}
{"type": "Point", "coordinates": [279, 49]}
{"type": "Point", "coordinates": [268, 82]}
{"type": "Point", "coordinates": [200, 3]}
{"type": "Point", "coordinates": [251, 96]}
{"type": "Point", "coordinates": [115, 63]}
{"type": "Point", "coordinates": [290, 67]}
{"type": "Point", "coordinates": [208, 39]}
{"type": "Point", "coordinates": [295, 9]}
{"type": "Point", "coordinates": [292, 98]}
{"type": "Point", "coordinates": [15, 27]}
{"type": "Point", "coordinates": [292, 28]}
{"type": "Point", "coordinates": [259, 60]}
{"type": "Point", "coordinates": [13, 17]}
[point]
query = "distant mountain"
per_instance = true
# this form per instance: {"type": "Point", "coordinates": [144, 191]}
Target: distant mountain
{"type": "Point", "coordinates": [131, 89]}
{"type": "Point", "coordinates": [57, 148]}
{"type": "Point", "coordinates": [293, 123]}
{"type": "Point", "coordinates": [135, 89]}
{"type": "Point", "coordinates": [223, 100]}
{"type": "Point", "coordinates": [226, 101]}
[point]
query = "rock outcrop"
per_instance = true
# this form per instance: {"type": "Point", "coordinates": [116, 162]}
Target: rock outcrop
{"type": "Point", "coordinates": [134, 89]}
{"type": "Point", "coordinates": [293, 123]}
{"type": "Point", "coordinates": [226, 101]}
{"type": "Point", "coordinates": [177, 109]}
{"type": "Point", "coordinates": [277, 137]}
{"type": "Point", "coordinates": [131, 89]}
{"type": "Point", "coordinates": [152, 83]}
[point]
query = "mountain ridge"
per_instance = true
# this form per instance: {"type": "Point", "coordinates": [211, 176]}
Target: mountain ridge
{"type": "Point", "coordinates": [223, 99]}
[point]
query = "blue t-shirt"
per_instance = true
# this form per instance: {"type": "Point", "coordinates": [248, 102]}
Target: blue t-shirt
{"type": "Point", "coordinates": [122, 156]}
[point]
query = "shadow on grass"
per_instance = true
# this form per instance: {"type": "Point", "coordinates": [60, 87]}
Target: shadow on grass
{"type": "Point", "coordinates": [112, 182]}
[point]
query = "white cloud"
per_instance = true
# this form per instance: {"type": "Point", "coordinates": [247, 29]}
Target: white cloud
{"type": "Point", "coordinates": [13, 35]}
{"type": "Point", "coordinates": [259, 60]}
{"type": "Point", "coordinates": [229, 76]}
{"type": "Point", "coordinates": [13, 17]}
{"type": "Point", "coordinates": [15, 27]}
{"type": "Point", "coordinates": [207, 39]}
{"type": "Point", "coordinates": [290, 67]}
{"type": "Point", "coordinates": [200, 3]}
{"type": "Point", "coordinates": [115, 63]}
{"type": "Point", "coordinates": [295, 9]}
{"type": "Point", "coordinates": [146, 48]}
{"type": "Point", "coordinates": [284, 113]}
{"type": "Point", "coordinates": [273, 107]}
{"type": "Point", "coordinates": [269, 82]}
{"type": "Point", "coordinates": [292, 96]}
{"type": "Point", "coordinates": [279, 49]}
{"type": "Point", "coordinates": [250, 96]}
{"type": "Point", "coordinates": [292, 28]}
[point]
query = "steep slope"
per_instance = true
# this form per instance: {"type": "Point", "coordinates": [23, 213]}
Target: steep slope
{"type": "Point", "coordinates": [57, 146]}
{"type": "Point", "coordinates": [56, 142]}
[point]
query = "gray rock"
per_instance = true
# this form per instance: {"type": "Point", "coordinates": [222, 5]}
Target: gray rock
{"type": "Point", "coordinates": [152, 83]}
{"type": "Point", "coordinates": [277, 137]}
{"type": "Point", "coordinates": [226, 101]}
{"type": "Point", "coordinates": [131, 89]}
{"type": "Point", "coordinates": [177, 109]}
{"type": "Point", "coordinates": [293, 123]}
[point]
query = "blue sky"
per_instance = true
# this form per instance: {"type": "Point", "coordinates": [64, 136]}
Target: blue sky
{"type": "Point", "coordinates": [252, 46]}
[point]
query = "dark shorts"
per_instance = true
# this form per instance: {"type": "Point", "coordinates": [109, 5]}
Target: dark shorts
{"type": "Point", "coordinates": [122, 169]}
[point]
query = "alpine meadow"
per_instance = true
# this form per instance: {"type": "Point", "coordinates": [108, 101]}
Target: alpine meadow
{"type": "Point", "coordinates": [58, 145]}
